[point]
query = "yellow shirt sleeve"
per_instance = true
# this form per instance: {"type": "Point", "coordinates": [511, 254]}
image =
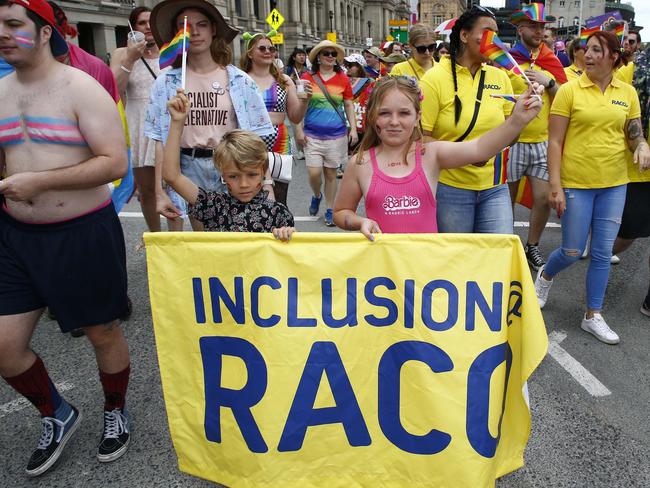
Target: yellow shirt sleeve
{"type": "Point", "coordinates": [563, 100]}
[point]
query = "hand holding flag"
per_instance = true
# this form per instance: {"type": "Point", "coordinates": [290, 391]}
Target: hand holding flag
{"type": "Point", "coordinates": [493, 48]}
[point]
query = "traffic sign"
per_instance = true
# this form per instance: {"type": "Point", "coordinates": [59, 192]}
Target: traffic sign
{"type": "Point", "coordinates": [398, 23]}
{"type": "Point", "coordinates": [331, 36]}
{"type": "Point", "coordinates": [278, 38]}
{"type": "Point", "coordinates": [369, 41]}
{"type": "Point", "coordinates": [275, 19]}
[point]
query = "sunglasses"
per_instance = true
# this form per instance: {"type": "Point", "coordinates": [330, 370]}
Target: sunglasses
{"type": "Point", "coordinates": [423, 49]}
{"type": "Point", "coordinates": [270, 49]}
{"type": "Point", "coordinates": [329, 54]}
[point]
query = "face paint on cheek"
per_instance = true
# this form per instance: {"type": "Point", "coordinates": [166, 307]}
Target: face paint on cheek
{"type": "Point", "coordinates": [25, 39]}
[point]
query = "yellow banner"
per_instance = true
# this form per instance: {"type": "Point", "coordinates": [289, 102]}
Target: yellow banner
{"type": "Point", "coordinates": [332, 361]}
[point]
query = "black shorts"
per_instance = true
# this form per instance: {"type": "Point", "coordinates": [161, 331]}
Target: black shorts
{"type": "Point", "coordinates": [77, 268]}
{"type": "Point", "coordinates": [636, 214]}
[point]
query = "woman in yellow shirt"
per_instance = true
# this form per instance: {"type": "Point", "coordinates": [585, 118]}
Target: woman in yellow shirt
{"type": "Point", "coordinates": [576, 53]}
{"type": "Point", "coordinates": [473, 198]}
{"type": "Point", "coordinates": [594, 120]}
{"type": "Point", "coordinates": [422, 48]}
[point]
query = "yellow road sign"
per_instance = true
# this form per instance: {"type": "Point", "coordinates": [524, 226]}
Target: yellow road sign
{"type": "Point", "coordinates": [278, 39]}
{"type": "Point", "coordinates": [331, 36]}
{"type": "Point", "coordinates": [275, 19]}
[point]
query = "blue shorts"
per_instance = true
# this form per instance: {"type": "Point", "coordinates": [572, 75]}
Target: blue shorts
{"type": "Point", "coordinates": [77, 268]}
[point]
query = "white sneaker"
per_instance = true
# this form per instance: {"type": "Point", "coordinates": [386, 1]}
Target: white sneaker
{"type": "Point", "coordinates": [542, 287]}
{"type": "Point", "coordinates": [599, 328]}
{"type": "Point", "coordinates": [615, 259]}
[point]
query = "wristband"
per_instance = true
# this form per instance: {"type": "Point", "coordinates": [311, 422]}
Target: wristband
{"type": "Point", "coordinates": [126, 70]}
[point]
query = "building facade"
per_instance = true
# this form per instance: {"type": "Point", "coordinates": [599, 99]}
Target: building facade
{"type": "Point", "coordinates": [567, 12]}
{"type": "Point", "coordinates": [102, 24]}
{"type": "Point", "coordinates": [434, 12]}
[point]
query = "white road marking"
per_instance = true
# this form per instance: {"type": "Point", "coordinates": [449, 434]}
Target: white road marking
{"type": "Point", "coordinates": [20, 403]}
{"type": "Point", "coordinates": [304, 218]}
{"type": "Point", "coordinates": [587, 380]}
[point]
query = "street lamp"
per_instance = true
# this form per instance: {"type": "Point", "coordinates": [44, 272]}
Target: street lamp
{"type": "Point", "coordinates": [331, 21]}
{"type": "Point", "coordinates": [369, 26]}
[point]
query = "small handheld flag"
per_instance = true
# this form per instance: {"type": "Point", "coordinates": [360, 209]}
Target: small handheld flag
{"type": "Point", "coordinates": [170, 51]}
{"type": "Point", "coordinates": [493, 48]}
{"type": "Point", "coordinates": [621, 32]}
{"type": "Point", "coordinates": [584, 35]}
{"type": "Point", "coordinates": [508, 97]}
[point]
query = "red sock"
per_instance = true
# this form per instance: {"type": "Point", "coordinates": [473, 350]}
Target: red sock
{"type": "Point", "coordinates": [114, 385]}
{"type": "Point", "coordinates": [35, 385]}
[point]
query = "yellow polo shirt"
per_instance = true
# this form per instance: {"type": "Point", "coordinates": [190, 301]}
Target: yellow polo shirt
{"type": "Point", "coordinates": [408, 68]}
{"type": "Point", "coordinates": [595, 150]}
{"type": "Point", "coordinates": [537, 130]}
{"type": "Point", "coordinates": [572, 72]}
{"type": "Point", "coordinates": [438, 116]}
{"type": "Point", "coordinates": [625, 73]}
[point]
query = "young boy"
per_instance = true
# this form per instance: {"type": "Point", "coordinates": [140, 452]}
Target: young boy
{"type": "Point", "coordinates": [242, 159]}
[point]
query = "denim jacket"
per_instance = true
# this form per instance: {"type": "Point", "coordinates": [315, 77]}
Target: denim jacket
{"type": "Point", "coordinates": [246, 100]}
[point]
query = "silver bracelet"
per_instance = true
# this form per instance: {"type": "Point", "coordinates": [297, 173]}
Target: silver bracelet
{"type": "Point", "coordinates": [126, 70]}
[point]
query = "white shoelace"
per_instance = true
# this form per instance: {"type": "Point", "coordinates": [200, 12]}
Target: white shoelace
{"type": "Point", "coordinates": [114, 424]}
{"type": "Point", "coordinates": [48, 432]}
{"type": "Point", "coordinates": [599, 324]}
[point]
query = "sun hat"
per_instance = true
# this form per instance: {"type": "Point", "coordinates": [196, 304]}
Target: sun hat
{"type": "Point", "coordinates": [356, 58]}
{"type": "Point", "coordinates": [45, 12]}
{"type": "Point", "coordinates": [165, 12]}
{"type": "Point", "coordinates": [323, 45]}
{"type": "Point", "coordinates": [533, 12]}
{"type": "Point", "coordinates": [393, 58]}
{"type": "Point", "coordinates": [375, 51]}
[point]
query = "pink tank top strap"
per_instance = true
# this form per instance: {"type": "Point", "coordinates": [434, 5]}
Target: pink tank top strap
{"type": "Point", "coordinates": [373, 159]}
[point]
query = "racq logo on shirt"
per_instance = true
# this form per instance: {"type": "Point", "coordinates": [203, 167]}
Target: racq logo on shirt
{"type": "Point", "coordinates": [400, 204]}
{"type": "Point", "coordinates": [488, 86]}
{"type": "Point", "coordinates": [619, 102]}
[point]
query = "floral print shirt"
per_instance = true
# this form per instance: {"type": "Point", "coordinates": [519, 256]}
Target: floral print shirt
{"type": "Point", "coordinates": [642, 85]}
{"type": "Point", "coordinates": [220, 212]}
{"type": "Point", "coordinates": [246, 100]}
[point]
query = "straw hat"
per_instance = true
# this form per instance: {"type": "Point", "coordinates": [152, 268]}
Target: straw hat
{"type": "Point", "coordinates": [164, 13]}
{"type": "Point", "coordinates": [323, 45]}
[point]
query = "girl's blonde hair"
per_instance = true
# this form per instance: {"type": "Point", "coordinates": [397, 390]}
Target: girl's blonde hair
{"type": "Point", "coordinates": [246, 63]}
{"type": "Point", "coordinates": [406, 85]}
{"type": "Point", "coordinates": [419, 31]}
{"type": "Point", "coordinates": [242, 148]}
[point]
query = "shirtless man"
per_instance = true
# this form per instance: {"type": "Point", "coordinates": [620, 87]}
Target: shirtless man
{"type": "Point", "coordinates": [61, 244]}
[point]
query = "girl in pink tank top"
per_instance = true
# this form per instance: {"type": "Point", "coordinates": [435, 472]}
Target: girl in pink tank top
{"type": "Point", "coordinates": [396, 174]}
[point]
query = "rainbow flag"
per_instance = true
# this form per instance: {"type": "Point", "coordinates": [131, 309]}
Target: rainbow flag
{"type": "Point", "coordinates": [493, 48]}
{"type": "Point", "coordinates": [584, 35]}
{"type": "Point", "coordinates": [170, 51]}
{"type": "Point", "coordinates": [621, 32]}
{"type": "Point", "coordinates": [506, 97]}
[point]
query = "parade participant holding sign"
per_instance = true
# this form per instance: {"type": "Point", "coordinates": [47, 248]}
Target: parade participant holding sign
{"type": "Point", "coordinates": [135, 68]}
{"type": "Point", "coordinates": [223, 97]}
{"type": "Point", "coordinates": [423, 48]}
{"type": "Point", "coordinates": [331, 111]}
{"type": "Point", "coordinates": [528, 156]}
{"type": "Point", "coordinates": [58, 157]}
{"type": "Point", "coordinates": [396, 174]}
{"type": "Point", "coordinates": [472, 198]}
{"type": "Point", "coordinates": [280, 96]}
{"type": "Point", "coordinates": [241, 158]}
{"type": "Point", "coordinates": [594, 119]}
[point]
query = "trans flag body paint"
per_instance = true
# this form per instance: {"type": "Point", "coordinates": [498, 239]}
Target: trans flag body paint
{"type": "Point", "coordinates": [25, 39]}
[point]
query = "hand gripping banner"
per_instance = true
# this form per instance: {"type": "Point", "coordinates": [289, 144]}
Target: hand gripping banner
{"type": "Point", "coordinates": [334, 361]}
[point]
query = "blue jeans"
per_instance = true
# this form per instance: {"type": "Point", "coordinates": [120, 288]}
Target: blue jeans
{"type": "Point", "coordinates": [203, 173]}
{"type": "Point", "coordinates": [466, 211]}
{"type": "Point", "coordinates": [598, 208]}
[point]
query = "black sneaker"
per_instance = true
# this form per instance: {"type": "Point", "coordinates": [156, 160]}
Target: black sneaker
{"type": "Point", "coordinates": [116, 436]}
{"type": "Point", "coordinates": [645, 310]}
{"type": "Point", "coordinates": [55, 436]}
{"type": "Point", "coordinates": [534, 257]}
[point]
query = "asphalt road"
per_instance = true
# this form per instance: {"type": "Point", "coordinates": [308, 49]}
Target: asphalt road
{"type": "Point", "coordinates": [592, 431]}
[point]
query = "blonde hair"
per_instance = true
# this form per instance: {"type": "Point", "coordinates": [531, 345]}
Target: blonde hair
{"type": "Point", "coordinates": [246, 63]}
{"type": "Point", "coordinates": [405, 85]}
{"type": "Point", "coordinates": [242, 148]}
{"type": "Point", "coordinates": [419, 31]}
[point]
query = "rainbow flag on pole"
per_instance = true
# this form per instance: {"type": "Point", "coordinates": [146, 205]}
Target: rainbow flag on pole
{"type": "Point", "coordinates": [170, 51]}
{"type": "Point", "coordinates": [621, 32]}
{"type": "Point", "coordinates": [493, 48]}
{"type": "Point", "coordinates": [584, 35]}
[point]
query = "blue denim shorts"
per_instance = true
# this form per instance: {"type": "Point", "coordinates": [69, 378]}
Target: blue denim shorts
{"type": "Point", "coordinates": [203, 173]}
